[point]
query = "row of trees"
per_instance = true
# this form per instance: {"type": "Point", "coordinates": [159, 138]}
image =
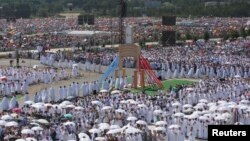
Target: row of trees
{"type": "Point", "coordinates": [44, 8]}
{"type": "Point", "coordinates": [233, 34]}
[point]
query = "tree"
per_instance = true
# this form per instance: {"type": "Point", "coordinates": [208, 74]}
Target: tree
{"type": "Point", "coordinates": [224, 35]}
{"type": "Point", "coordinates": [178, 36]}
{"type": "Point", "coordinates": [206, 36]}
{"type": "Point", "coordinates": [195, 38]}
{"type": "Point", "coordinates": [188, 36]}
{"type": "Point", "coordinates": [243, 32]}
{"type": "Point", "coordinates": [234, 34]}
{"type": "Point", "coordinates": [248, 32]}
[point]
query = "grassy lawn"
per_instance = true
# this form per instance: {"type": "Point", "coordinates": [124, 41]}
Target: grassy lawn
{"type": "Point", "coordinates": [167, 84]}
{"type": "Point", "coordinates": [18, 97]}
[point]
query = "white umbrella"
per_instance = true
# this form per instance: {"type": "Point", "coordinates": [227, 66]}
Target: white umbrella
{"type": "Point", "coordinates": [179, 114]}
{"type": "Point", "coordinates": [42, 121]}
{"type": "Point", "coordinates": [6, 117]}
{"type": "Point", "coordinates": [175, 126]}
{"type": "Point", "coordinates": [187, 106]}
{"type": "Point", "coordinates": [203, 101]}
{"type": "Point", "coordinates": [142, 106]}
{"type": "Point", "coordinates": [79, 108]}
{"type": "Point", "coordinates": [243, 107]}
{"type": "Point", "coordinates": [114, 127]}
{"type": "Point", "coordinates": [141, 122]}
{"type": "Point", "coordinates": [248, 110]}
{"type": "Point", "coordinates": [203, 118]}
{"type": "Point", "coordinates": [232, 103]}
{"type": "Point", "coordinates": [75, 65]}
{"type": "Point", "coordinates": [35, 66]}
{"type": "Point", "coordinates": [96, 102]}
{"type": "Point", "coordinates": [196, 113]}
{"type": "Point", "coordinates": [158, 112]}
{"type": "Point", "coordinates": [238, 123]}
{"type": "Point", "coordinates": [188, 110]}
{"type": "Point", "coordinates": [213, 108]}
{"type": "Point", "coordinates": [131, 101]}
{"type": "Point", "coordinates": [69, 123]}
{"type": "Point", "coordinates": [132, 130]}
{"type": "Point", "coordinates": [94, 130]}
{"type": "Point", "coordinates": [70, 106]}
{"type": "Point", "coordinates": [27, 131]}
{"type": "Point", "coordinates": [189, 89]}
{"type": "Point", "coordinates": [103, 126]}
{"type": "Point", "coordinates": [106, 108]}
{"type": "Point", "coordinates": [198, 107]}
{"type": "Point", "coordinates": [83, 135]}
{"type": "Point", "coordinates": [226, 115]}
{"type": "Point", "coordinates": [193, 116]}
{"type": "Point", "coordinates": [37, 128]}
{"type": "Point", "coordinates": [100, 139]}
{"type": "Point", "coordinates": [123, 102]}
{"type": "Point", "coordinates": [20, 140]}
{"type": "Point", "coordinates": [161, 123]}
{"type": "Point", "coordinates": [224, 108]}
{"type": "Point", "coordinates": [115, 92]}
{"type": "Point", "coordinates": [131, 118]}
{"type": "Point", "coordinates": [244, 101]}
{"type": "Point", "coordinates": [28, 102]}
{"type": "Point", "coordinates": [120, 111]}
{"type": "Point", "coordinates": [38, 105]}
{"type": "Point", "coordinates": [222, 101]}
{"type": "Point", "coordinates": [233, 106]}
{"type": "Point", "coordinates": [34, 124]}
{"type": "Point", "coordinates": [31, 139]}
{"type": "Point", "coordinates": [11, 124]}
{"type": "Point", "coordinates": [201, 104]}
{"type": "Point", "coordinates": [176, 104]}
{"type": "Point", "coordinates": [48, 105]}
{"type": "Point", "coordinates": [163, 129]}
{"type": "Point", "coordinates": [114, 131]}
{"type": "Point", "coordinates": [211, 104]}
{"type": "Point", "coordinates": [219, 118]}
{"type": "Point", "coordinates": [237, 76]}
{"type": "Point", "coordinates": [2, 122]}
{"type": "Point", "coordinates": [103, 91]}
{"type": "Point", "coordinates": [66, 103]}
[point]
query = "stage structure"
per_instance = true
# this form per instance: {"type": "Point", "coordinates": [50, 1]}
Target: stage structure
{"type": "Point", "coordinates": [143, 75]}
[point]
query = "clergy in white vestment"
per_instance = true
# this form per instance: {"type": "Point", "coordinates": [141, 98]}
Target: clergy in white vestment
{"type": "Point", "coordinates": [52, 94]}
{"type": "Point", "coordinates": [5, 104]}
{"type": "Point", "coordinates": [26, 97]}
{"type": "Point", "coordinates": [13, 103]}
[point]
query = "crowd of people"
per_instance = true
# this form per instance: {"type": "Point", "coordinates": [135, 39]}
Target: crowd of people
{"type": "Point", "coordinates": [50, 32]}
{"type": "Point", "coordinates": [96, 111]}
{"type": "Point", "coordinates": [109, 110]}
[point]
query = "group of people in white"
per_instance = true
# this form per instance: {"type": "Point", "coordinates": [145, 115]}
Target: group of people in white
{"type": "Point", "coordinates": [93, 111]}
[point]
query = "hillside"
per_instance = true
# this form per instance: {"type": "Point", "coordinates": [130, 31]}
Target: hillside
{"type": "Point", "coordinates": [45, 8]}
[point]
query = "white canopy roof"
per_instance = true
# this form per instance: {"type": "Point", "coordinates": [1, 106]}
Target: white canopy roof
{"type": "Point", "coordinates": [86, 33]}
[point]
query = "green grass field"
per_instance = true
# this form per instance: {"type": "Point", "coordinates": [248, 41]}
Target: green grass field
{"type": "Point", "coordinates": [167, 84]}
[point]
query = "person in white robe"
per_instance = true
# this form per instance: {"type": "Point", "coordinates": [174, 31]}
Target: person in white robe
{"type": "Point", "coordinates": [45, 96]}
{"type": "Point", "coordinates": [52, 94]}
{"type": "Point", "coordinates": [191, 135]}
{"type": "Point", "coordinates": [36, 98]}
{"type": "Point", "coordinates": [190, 73]}
{"type": "Point", "coordinates": [5, 104]}
{"type": "Point", "coordinates": [26, 97]}
{"type": "Point", "coordinates": [13, 103]}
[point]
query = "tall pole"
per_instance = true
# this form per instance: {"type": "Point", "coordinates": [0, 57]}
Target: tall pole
{"type": "Point", "coordinates": [111, 32]}
{"type": "Point", "coordinates": [17, 50]}
{"type": "Point", "coordinates": [123, 11]}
